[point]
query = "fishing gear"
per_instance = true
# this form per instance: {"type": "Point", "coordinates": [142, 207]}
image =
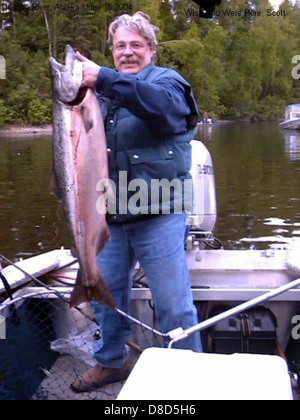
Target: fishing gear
{"type": "Point", "coordinates": [180, 333]}
{"type": "Point", "coordinates": [50, 289]}
{"type": "Point", "coordinates": [87, 315]}
{"type": "Point", "coordinates": [14, 313]}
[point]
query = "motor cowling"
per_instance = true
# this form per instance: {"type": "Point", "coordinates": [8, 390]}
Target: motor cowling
{"type": "Point", "coordinates": [204, 214]}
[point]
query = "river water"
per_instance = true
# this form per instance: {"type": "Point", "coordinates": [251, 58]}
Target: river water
{"type": "Point", "coordinates": [257, 174]}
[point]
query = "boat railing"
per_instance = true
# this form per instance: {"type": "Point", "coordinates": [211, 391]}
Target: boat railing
{"type": "Point", "coordinates": [179, 333]}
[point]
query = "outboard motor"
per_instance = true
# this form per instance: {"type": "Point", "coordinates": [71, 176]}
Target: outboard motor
{"type": "Point", "coordinates": [204, 215]}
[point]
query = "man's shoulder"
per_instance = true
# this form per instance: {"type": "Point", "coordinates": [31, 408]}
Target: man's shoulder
{"type": "Point", "coordinates": [162, 72]}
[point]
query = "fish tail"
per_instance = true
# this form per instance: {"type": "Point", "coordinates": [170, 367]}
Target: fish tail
{"type": "Point", "coordinates": [100, 292]}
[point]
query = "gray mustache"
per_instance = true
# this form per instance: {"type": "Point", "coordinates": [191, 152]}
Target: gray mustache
{"type": "Point", "coordinates": [131, 60]}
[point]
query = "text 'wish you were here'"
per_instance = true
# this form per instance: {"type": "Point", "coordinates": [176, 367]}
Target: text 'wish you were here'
{"type": "Point", "coordinates": [246, 12]}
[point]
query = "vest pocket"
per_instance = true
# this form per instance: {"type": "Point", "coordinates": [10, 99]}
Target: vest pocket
{"type": "Point", "coordinates": [152, 163]}
{"type": "Point", "coordinates": [136, 194]}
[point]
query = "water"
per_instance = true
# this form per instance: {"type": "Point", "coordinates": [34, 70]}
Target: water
{"type": "Point", "coordinates": [31, 221]}
{"type": "Point", "coordinates": [257, 170]}
{"type": "Point", "coordinates": [257, 174]}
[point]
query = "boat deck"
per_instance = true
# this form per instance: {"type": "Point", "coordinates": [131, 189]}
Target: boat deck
{"type": "Point", "coordinates": [217, 276]}
{"type": "Point", "coordinates": [56, 385]}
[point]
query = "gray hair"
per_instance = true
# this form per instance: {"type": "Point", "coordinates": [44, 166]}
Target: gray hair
{"type": "Point", "coordinates": [139, 22]}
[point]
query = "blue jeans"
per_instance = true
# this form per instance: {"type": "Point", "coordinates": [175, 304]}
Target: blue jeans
{"type": "Point", "coordinates": [158, 244]}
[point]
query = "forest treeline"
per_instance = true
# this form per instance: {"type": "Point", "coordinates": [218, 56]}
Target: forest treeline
{"type": "Point", "coordinates": [239, 63]}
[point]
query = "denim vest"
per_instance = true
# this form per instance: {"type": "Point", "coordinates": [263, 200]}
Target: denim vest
{"type": "Point", "coordinates": [137, 155]}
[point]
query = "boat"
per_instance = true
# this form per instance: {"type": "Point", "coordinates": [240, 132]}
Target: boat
{"type": "Point", "coordinates": [65, 342]}
{"type": "Point", "coordinates": [292, 117]}
{"type": "Point", "coordinates": [205, 123]}
{"type": "Point", "coordinates": [44, 344]}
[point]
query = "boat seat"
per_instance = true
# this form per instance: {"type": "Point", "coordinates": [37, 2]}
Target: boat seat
{"type": "Point", "coordinates": [173, 374]}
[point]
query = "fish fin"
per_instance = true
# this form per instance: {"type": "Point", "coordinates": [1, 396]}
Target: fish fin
{"type": "Point", "coordinates": [87, 118]}
{"type": "Point", "coordinates": [79, 294]}
{"type": "Point", "coordinates": [54, 185]}
{"type": "Point", "coordinates": [100, 292]}
{"type": "Point", "coordinates": [74, 253]}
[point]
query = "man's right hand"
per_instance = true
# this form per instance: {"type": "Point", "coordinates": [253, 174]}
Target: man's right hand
{"type": "Point", "coordinates": [90, 71]}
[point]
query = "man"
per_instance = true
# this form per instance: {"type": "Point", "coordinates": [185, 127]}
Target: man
{"type": "Point", "coordinates": [150, 115]}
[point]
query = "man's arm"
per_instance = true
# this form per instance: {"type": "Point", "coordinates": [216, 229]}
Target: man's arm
{"type": "Point", "coordinates": [161, 104]}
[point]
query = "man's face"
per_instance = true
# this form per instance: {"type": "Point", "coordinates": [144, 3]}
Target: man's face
{"type": "Point", "coordinates": [131, 51]}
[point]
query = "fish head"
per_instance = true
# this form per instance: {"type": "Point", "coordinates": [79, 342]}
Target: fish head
{"type": "Point", "coordinates": [66, 78]}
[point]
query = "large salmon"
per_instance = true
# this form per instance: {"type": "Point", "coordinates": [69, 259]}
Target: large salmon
{"type": "Point", "coordinates": [80, 162]}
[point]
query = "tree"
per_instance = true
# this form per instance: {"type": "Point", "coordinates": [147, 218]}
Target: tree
{"type": "Point", "coordinates": [239, 64]}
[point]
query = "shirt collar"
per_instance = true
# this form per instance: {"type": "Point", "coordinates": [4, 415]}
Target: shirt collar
{"type": "Point", "coordinates": [142, 74]}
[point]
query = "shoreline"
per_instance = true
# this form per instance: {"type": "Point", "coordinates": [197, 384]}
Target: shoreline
{"type": "Point", "coordinates": [17, 130]}
{"type": "Point", "coordinates": [24, 129]}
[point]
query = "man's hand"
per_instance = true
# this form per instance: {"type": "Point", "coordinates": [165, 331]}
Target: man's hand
{"type": "Point", "coordinates": [90, 71]}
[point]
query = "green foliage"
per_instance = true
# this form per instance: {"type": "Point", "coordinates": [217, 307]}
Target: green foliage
{"type": "Point", "coordinates": [238, 66]}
